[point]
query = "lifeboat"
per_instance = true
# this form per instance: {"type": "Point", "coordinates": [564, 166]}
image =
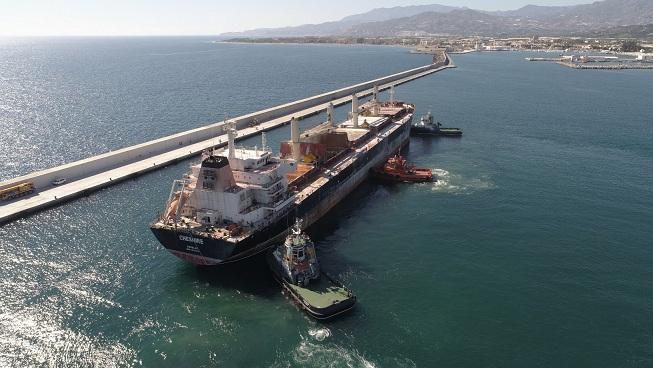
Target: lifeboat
{"type": "Point", "coordinates": [399, 170]}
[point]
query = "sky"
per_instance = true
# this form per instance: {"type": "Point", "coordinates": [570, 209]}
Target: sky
{"type": "Point", "coordinates": [197, 17]}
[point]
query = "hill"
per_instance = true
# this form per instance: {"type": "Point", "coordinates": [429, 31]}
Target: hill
{"type": "Point", "coordinates": [529, 20]}
{"type": "Point", "coordinates": [446, 20]}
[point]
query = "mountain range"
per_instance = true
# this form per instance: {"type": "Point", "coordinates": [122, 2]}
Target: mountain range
{"type": "Point", "coordinates": [435, 19]}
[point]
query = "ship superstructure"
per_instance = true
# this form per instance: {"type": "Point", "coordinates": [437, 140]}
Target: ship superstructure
{"type": "Point", "coordinates": [239, 201]}
{"type": "Point", "coordinates": [295, 259]}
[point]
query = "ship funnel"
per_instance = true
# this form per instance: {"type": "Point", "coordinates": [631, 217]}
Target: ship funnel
{"type": "Point", "coordinates": [329, 112]}
{"type": "Point", "coordinates": [294, 137]}
{"type": "Point", "coordinates": [354, 110]}
{"type": "Point", "coordinates": [231, 135]}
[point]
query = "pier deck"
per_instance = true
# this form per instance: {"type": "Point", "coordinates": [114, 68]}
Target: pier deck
{"type": "Point", "coordinates": [609, 66]}
{"type": "Point", "coordinates": [48, 195]}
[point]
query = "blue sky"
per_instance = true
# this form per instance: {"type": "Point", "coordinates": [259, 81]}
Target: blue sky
{"type": "Point", "coordinates": [197, 17]}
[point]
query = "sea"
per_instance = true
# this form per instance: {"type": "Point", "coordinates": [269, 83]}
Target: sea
{"type": "Point", "coordinates": [533, 249]}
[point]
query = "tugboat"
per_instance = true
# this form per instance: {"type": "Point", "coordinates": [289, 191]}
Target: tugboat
{"type": "Point", "coordinates": [294, 265]}
{"type": "Point", "coordinates": [426, 126]}
{"type": "Point", "coordinates": [398, 169]}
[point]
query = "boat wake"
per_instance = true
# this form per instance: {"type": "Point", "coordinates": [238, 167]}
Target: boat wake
{"type": "Point", "coordinates": [314, 351]}
{"type": "Point", "coordinates": [311, 354]}
{"type": "Point", "coordinates": [320, 334]}
{"type": "Point", "coordinates": [458, 184]}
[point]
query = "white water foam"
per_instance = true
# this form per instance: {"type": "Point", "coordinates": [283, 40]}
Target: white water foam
{"type": "Point", "coordinates": [458, 184]}
{"type": "Point", "coordinates": [314, 351]}
{"type": "Point", "coordinates": [319, 334]}
{"type": "Point", "coordinates": [310, 354]}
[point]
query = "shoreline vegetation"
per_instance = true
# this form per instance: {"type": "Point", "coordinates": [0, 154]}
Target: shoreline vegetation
{"type": "Point", "coordinates": [423, 44]}
{"type": "Point", "coordinates": [581, 52]}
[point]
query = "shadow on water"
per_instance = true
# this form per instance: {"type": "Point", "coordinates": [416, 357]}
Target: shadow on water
{"type": "Point", "coordinates": [250, 275]}
{"type": "Point", "coordinates": [425, 145]}
{"type": "Point", "coordinates": [330, 232]}
{"type": "Point", "coordinates": [348, 208]}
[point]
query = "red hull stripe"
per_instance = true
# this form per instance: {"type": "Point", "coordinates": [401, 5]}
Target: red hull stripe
{"type": "Point", "coordinates": [198, 260]}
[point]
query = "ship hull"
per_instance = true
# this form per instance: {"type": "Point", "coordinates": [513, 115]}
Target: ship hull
{"type": "Point", "coordinates": [335, 308]}
{"type": "Point", "coordinates": [328, 197]}
{"type": "Point", "coordinates": [441, 132]}
{"type": "Point", "coordinates": [208, 251]}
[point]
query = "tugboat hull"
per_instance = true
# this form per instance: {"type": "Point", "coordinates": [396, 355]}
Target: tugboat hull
{"type": "Point", "coordinates": [397, 169]}
{"type": "Point", "coordinates": [324, 300]}
{"type": "Point", "coordinates": [442, 132]}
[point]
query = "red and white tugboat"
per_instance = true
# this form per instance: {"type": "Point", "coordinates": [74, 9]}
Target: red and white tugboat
{"type": "Point", "coordinates": [398, 169]}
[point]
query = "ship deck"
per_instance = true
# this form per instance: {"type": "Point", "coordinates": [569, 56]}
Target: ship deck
{"type": "Point", "coordinates": [302, 169]}
{"type": "Point", "coordinates": [346, 161]}
{"type": "Point", "coordinates": [307, 177]}
{"type": "Point", "coordinates": [321, 293]}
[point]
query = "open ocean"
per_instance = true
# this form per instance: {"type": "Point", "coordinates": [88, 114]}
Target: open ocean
{"type": "Point", "coordinates": [534, 249]}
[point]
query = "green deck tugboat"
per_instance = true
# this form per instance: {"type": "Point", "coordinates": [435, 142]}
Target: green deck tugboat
{"type": "Point", "coordinates": [426, 126]}
{"type": "Point", "coordinates": [294, 265]}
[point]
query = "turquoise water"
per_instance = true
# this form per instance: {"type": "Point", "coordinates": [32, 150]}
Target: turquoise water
{"type": "Point", "coordinates": [534, 248]}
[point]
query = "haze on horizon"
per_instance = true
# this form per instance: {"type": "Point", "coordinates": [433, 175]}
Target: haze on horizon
{"type": "Point", "coordinates": [196, 17]}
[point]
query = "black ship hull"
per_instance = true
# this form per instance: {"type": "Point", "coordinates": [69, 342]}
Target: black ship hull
{"type": "Point", "coordinates": [441, 132]}
{"type": "Point", "coordinates": [207, 251]}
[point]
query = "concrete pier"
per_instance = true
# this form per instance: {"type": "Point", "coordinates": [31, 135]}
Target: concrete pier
{"type": "Point", "coordinates": [93, 173]}
{"type": "Point", "coordinates": [609, 66]}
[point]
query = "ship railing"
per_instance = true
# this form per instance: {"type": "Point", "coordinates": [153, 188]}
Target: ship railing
{"type": "Point", "coordinates": [234, 189]}
{"type": "Point", "coordinates": [178, 186]}
{"type": "Point", "coordinates": [266, 185]}
{"type": "Point", "coordinates": [273, 182]}
{"type": "Point", "coordinates": [275, 191]}
{"type": "Point", "coordinates": [255, 206]}
{"type": "Point", "coordinates": [338, 156]}
{"type": "Point", "coordinates": [251, 208]}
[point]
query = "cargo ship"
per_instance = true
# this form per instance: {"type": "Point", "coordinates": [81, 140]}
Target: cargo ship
{"type": "Point", "coordinates": [238, 202]}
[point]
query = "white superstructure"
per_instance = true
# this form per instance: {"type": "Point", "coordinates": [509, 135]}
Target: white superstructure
{"type": "Point", "coordinates": [247, 189]}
